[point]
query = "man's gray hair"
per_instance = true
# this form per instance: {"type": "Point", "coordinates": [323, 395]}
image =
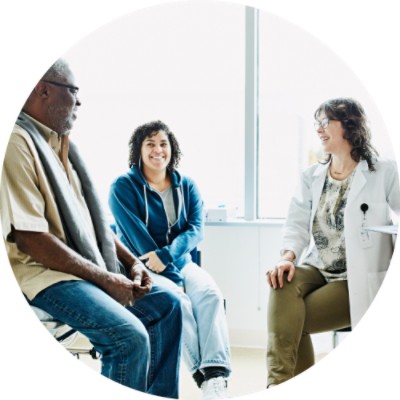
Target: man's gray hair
{"type": "Point", "coordinates": [58, 70]}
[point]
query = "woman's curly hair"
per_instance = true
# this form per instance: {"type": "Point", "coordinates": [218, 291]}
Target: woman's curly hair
{"type": "Point", "coordinates": [149, 130]}
{"type": "Point", "coordinates": [356, 130]}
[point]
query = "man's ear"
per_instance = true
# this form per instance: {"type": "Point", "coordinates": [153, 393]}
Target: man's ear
{"type": "Point", "coordinates": [41, 90]}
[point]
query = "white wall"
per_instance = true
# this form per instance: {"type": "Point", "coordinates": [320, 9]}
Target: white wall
{"type": "Point", "coordinates": [237, 256]}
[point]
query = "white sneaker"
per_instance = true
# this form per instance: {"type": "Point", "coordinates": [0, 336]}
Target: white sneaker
{"type": "Point", "coordinates": [214, 388]}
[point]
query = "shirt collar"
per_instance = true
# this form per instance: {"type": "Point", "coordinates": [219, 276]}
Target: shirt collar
{"type": "Point", "coordinates": [59, 143]}
{"type": "Point", "coordinates": [51, 137]}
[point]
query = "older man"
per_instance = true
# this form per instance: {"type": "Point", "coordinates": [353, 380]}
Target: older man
{"type": "Point", "coordinates": [65, 257]}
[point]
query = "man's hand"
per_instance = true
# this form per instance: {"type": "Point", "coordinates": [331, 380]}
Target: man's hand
{"type": "Point", "coordinates": [120, 288]}
{"type": "Point", "coordinates": [153, 262]}
{"type": "Point", "coordinates": [141, 280]}
{"type": "Point", "coordinates": [51, 252]}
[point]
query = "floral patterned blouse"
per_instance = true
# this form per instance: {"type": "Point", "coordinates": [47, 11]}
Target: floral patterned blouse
{"type": "Point", "coordinates": [329, 251]}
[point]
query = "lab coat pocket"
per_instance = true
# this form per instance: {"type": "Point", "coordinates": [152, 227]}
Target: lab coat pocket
{"type": "Point", "coordinates": [375, 280]}
{"type": "Point", "coordinates": [377, 214]}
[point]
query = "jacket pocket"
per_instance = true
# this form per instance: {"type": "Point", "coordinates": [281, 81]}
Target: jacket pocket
{"type": "Point", "coordinates": [377, 214]}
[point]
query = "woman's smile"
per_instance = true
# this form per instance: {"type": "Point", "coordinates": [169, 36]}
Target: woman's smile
{"type": "Point", "coordinates": [323, 138]}
{"type": "Point", "coordinates": [156, 151]}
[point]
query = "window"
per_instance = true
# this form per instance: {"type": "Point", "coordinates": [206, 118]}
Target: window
{"type": "Point", "coordinates": [178, 63]}
{"type": "Point", "coordinates": [237, 86]}
{"type": "Point", "coordinates": [296, 74]}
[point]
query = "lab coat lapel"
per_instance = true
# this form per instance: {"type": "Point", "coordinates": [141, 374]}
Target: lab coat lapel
{"type": "Point", "coordinates": [317, 186]}
{"type": "Point", "coordinates": [359, 181]}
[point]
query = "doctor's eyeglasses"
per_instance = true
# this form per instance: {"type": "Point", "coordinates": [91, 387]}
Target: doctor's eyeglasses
{"type": "Point", "coordinates": [323, 123]}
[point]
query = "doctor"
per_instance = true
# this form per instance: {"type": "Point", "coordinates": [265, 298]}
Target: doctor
{"type": "Point", "coordinates": [331, 267]}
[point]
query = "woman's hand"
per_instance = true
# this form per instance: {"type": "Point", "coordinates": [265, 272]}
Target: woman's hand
{"type": "Point", "coordinates": [153, 262]}
{"type": "Point", "coordinates": [275, 276]}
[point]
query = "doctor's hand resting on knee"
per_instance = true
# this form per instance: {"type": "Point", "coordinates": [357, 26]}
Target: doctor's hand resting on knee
{"type": "Point", "coordinates": [284, 270]}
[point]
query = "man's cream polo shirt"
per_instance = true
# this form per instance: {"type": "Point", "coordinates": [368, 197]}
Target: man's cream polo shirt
{"type": "Point", "coordinates": [28, 204]}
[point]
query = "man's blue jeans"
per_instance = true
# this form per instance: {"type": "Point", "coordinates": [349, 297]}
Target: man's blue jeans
{"type": "Point", "coordinates": [139, 345]}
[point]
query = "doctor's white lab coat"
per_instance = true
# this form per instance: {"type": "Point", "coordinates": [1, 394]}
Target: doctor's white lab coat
{"type": "Point", "coordinates": [368, 254]}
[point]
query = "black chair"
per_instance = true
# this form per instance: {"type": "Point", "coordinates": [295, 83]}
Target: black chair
{"type": "Point", "coordinates": [196, 256]}
{"type": "Point", "coordinates": [335, 335]}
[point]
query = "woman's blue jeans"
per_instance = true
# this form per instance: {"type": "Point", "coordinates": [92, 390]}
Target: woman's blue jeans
{"type": "Point", "coordinates": [139, 345]}
{"type": "Point", "coordinates": [205, 340]}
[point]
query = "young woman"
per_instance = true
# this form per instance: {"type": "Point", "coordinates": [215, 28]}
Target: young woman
{"type": "Point", "coordinates": [159, 217]}
{"type": "Point", "coordinates": [343, 266]}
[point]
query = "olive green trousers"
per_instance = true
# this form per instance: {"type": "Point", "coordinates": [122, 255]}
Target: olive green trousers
{"type": "Point", "coordinates": [302, 307]}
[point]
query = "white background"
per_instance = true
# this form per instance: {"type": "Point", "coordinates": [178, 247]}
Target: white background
{"type": "Point", "coordinates": [364, 33]}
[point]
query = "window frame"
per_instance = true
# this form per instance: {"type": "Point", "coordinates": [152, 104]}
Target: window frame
{"type": "Point", "coordinates": [251, 128]}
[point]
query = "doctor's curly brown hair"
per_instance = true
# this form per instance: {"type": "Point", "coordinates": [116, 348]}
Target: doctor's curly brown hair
{"type": "Point", "coordinates": [150, 129]}
{"type": "Point", "coordinates": [356, 130]}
